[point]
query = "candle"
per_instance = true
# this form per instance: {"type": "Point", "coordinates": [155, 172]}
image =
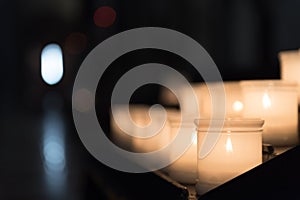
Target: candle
{"type": "Point", "coordinates": [161, 136]}
{"type": "Point", "coordinates": [276, 102]}
{"type": "Point", "coordinates": [290, 67]}
{"type": "Point", "coordinates": [237, 150]}
{"type": "Point", "coordinates": [167, 97]}
{"type": "Point", "coordinates": [184, 169]}
{"type": "Point", "coordinates": [124, 134]}
{"type": "Point", "coordinates": [155, 135]}
{"type": "Point", "coordinates": [234, 99]}
{"type": "Point", "coordinates": [119, 135]}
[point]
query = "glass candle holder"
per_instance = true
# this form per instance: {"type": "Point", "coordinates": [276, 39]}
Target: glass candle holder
{"type": "Point", "coordinates": [184, 169]}
{"type": "Point", "coordinates": [276, 102]}
{"type": "Point", "coordinates": [203, 92]}
{"type": "Point", "coordinates": [236, 149]}
{"type": "Point", "coordinates": [234, 99]}
{"type": "Point", "coordinates": [157, 141]}
{"type": "Point", "coordinates": [119, 136]}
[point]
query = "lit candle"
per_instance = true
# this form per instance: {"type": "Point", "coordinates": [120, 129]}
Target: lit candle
{"type": "Point", "coordinates": [290, 67]}
{"type": "Point", "coordinates": [155, 135]}
{"type": "Point", "coordinates": [118, 131]}
{"type": "Point", "coordinates": [237, 150]}
{"type": "Point", "coordinates": [276, 102]}
{"type": "Point", "coordinates": [161, 134]}
{"type": "Point", "coordinates": [124, 133]}
{"type": "Point", "coordinates": [234, 99]}
{"type": "Point", "coordinates": [184, 169]}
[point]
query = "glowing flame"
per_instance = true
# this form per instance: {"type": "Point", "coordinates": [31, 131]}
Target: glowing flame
{"type": "Point", "coordinates": [266, 101]}
{"type": "Point", "coordinates": [237, 106]}
{"type": "Point", "coordinates": [229, 145]}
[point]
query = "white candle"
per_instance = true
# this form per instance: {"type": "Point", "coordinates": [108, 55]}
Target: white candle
{"type": "Point", "coordinates": [237, 150]}
{"type": "Point", "coordinates": [234, 99]}
{"type": "Point", "coordinates": [290, 67]}
{"type": "Point", "coordinates": [140, 118]}
{"type": "Point", "coordinates": [157, 141]}
{"type": "Point", "coordinates": [184, 169]}
{"type": "Point", "coordinates": [276, 102]}
{"type": "Point", "coordinates": [119, 136]}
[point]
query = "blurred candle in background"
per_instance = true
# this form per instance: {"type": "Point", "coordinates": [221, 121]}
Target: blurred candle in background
{"type": "Point", "coordinates": [276, 102]}
{"type": "Point", "coordinates": [234, 99]}
{"type": "Point", "coordinates": [237, 150]}
{"type": "Point", "coordinates": [290, 67]}
{"type": "Point", "coordinates": [142, 143]}
{"type": "Point", "coordinates": [184, 169]}
{"type": "Point", "coordinates": [138, 115]}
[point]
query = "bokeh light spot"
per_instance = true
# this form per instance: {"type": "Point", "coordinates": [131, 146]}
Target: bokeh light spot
{"type": "Point", "coordinates": [52, 64]}
{"type": "Point", "coordinates": [104, 16]}
{"type": "Point", "coordinates": [75, 43]}
{"type": "Point", "coordinates": [83, 100]}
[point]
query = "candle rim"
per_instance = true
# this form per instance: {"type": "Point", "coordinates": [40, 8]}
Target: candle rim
{"type": "Point", "coordinates": [269, 83]}
{"type": "Point", "coordinates": [229, 124]}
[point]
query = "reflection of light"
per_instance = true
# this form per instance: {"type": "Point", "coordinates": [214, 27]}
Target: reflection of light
{"type": "Point", "coordinates": [75, 43]}
{"type": "Point", "coordinates": [228, 145]}
{"type": "Point", "coordinates": [266, 101]}
{"type": "Point", "coordinates": [194, 138]}
{"type": "Point", "coordinates": [83, 100]}
{"type": "Point", "coordinates": [54, 155]}
{"type": "Point", "coordinates": [237, 106]}
{"type": "Point", "coordinates": [52, 64]}
{"type": "Point", "coordinates": [104, 16]}
{"type": "Point", "coordinates": [54, 150]}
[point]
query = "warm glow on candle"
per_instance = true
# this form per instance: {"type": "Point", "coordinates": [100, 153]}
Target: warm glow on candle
{"type": "Point", "coordinates": [229, 145]}
{"type": "Point", "coordinates": [233, 99]}
{"type": "Point", "coordinates": [237, 150]}
{"type": "Point", "coordinates": [275, 101]}
{"type": "Point", "coordinates": [184, 169]}
{"type": "Point", "coordinates": [237, 106]}
{"type": "Point", "coordinates": [266, 101]}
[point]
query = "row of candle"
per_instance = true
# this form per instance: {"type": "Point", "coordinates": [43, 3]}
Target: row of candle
{"type": "Point", "coordinates": [238, 149]}
{"type": "Point", "coordinates": [249, 105]}
{"type": "Point", "coordinates": [275, 101]}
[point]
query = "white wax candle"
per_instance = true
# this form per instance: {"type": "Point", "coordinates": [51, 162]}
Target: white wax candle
{"type": "Point", "coordinates": [290, 67]}
{"type": "Point", "coordinates": [237, 150]}
{"type": "Point", "coordinates": [161, 137]}
{"type": "Point", "coordinates": [276, 102]}
{"type": "Point", "coordinates": [234, 99]}
{"type": "Point", "coordinates": [140, 118]}
{"type": "Point", "coordinates": [184, 169]}
{"type": "Point", "coordinates": [119, 135]}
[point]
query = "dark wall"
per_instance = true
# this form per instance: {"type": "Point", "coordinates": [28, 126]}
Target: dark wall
{"type": "Point", "coordinates": [243, 38]}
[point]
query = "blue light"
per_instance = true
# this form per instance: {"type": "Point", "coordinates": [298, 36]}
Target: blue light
{"type": "Point", "coordinates": [52, 64]}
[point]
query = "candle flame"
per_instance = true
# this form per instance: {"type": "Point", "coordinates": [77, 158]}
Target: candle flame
{"type": "Point", "coordinates": [237, 106]}
{"type": "Point", "coordinates": [266, 101]}
{"type": "Point", "coordinates": [229, 145]}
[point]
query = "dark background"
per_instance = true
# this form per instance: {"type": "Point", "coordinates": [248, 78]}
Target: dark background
{"type": "Point", "coordinates": [243, 38]}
